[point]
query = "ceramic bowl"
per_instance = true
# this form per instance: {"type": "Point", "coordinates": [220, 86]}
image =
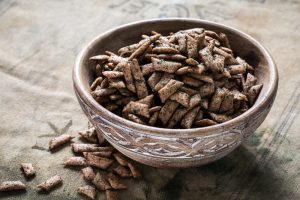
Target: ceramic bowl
{"type": "Point", "coordinates": [162, 147]}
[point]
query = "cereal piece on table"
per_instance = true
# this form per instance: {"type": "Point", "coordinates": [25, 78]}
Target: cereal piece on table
{"type": "Point", "coordinates": [191, 81]}
{"type": "Point", "coordinates": [148, 100]}
{"type": "Point", "coordinates": [112, 195]}
{"type": "Point", "coordinates": [205, 122]}
{"type": "Point", "coordinates": [216, 100]}
{"type": "Point", "coordinates": [195, 100]}
{"type": "Point", "coordinates": [100, 181]}
{"type": "Point", "coordinates": [220, 118]}
{"type": "Point", "coordinates": [170, 88]}
{"type": "Point", "coordinates": [207, 89]}
{"type": "Point", "coordinates": [134, 171]}
{"type": "Point", "coordinates": [88, 173]}
{"type": "Point", "coordinates": [139, 81]}
{"type": "Point", "coordinates": [167, 50]}
{"type": "Point", "coordinates": [122, 171]}
{"type": "Point", "coordinates": [60, 140]}
{"type": "Point", "coordinates": [227, 103]}
{"type": "Point", "coordinates": [137, 109]}
{"type": "Point", "coordinates": [153, 118]}
{"type": "Point", "coordinates": [147, 68]}
{"type": "Point", "coordinates": [135, 119]}
{"type": "Point", "coordinates": [192, 47]}
{"type": "Point", "coordinates": [253, 93]}
{"type": "Point", "coordinates": [166, 77]}
{"type": "Point", "coordinates": [79, 148]}
{"type": "Point", "coordinates": [154, 79]}
{"type": "Point", "coordinates": [89, 135]}
{"type": "Point", "coordinates": [99, 162]}
{"type": "Point", "coordinates": [102, 58]}
{"type": "Point", "coordinates": [28, 169]}
{"type": "Point", "coordinates": [177, 116]}
{"type": "Point", "coordinates": [167, 111]}
{"type": "Point", "coordinates": [96, 83]}
{"type": "Point", "coordinates": [106, 154]}
{"type": "Point", "coordinates": [115, 182]}
{"type": "Point", "coordinates": [75, 161]}
{"type": "Point", "coordinates": [188, 119]}
{"type": "Point", "coordinates": [12, 185]}
{"type": "Point", "coordinates": [121, 159]}
{"type": "Point", "coordinates": [181, 97]}
{"type": "Point", "coordinates": [50, 183]}
{"type": "Point", "coordinates": [165, 66]}
{"type": "Point", "coordinates": [88, 191]}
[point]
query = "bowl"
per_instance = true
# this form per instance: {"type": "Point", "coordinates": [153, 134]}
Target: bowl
{"type": "Point", "coordinates": [162, 147]}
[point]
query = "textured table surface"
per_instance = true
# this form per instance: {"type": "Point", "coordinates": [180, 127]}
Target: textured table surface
{"type": "Point", "coordinates": [39, 41]}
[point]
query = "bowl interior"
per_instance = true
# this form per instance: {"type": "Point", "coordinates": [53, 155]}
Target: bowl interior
{"type": "Point", "coordinates": [243, 45]}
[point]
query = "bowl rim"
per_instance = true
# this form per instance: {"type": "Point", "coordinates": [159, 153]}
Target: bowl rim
{"type": "Point", "coordinates": [167, 132]}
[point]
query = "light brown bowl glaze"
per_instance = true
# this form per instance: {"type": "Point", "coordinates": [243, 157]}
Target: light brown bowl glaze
{"type": "Point", "coordinates": [163, 147]}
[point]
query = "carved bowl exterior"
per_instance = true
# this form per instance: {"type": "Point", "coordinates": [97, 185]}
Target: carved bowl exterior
{"type": "Point", "coordinates": [161, 147]}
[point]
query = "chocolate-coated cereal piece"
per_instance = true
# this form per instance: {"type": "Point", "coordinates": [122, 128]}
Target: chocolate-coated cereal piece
{"type": "Point", "coordinates": [50, 183]}
{"type": "Point", "coordinates": [88, 191]}
{"type": "Point", "coordinates": [60, 140]}
{"type": "Point", "coordinates": [28, 169]}
{"type": "Point", "coordinates": [12, 185]}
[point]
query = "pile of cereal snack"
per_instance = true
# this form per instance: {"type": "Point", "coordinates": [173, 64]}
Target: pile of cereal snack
{"type": "Point", "coordinates": [187, 79]}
